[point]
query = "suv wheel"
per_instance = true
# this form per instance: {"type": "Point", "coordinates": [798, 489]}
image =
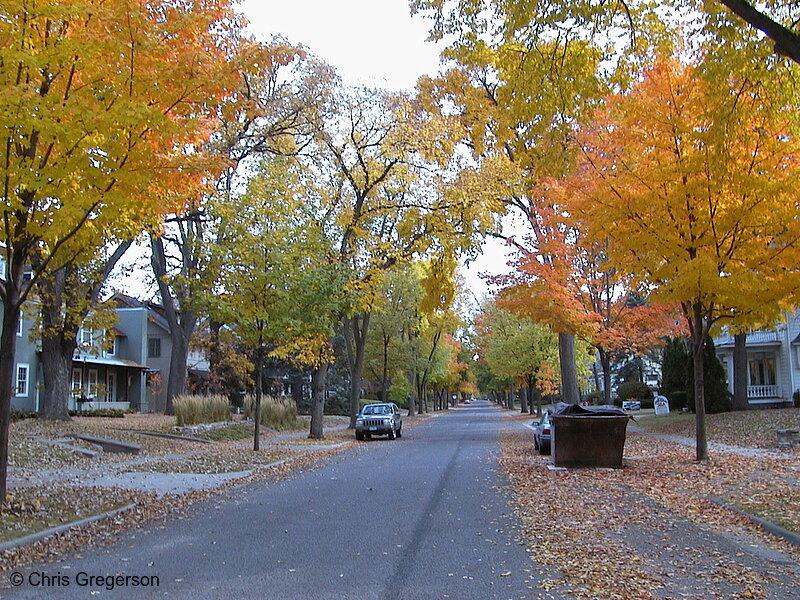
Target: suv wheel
{"type": "Point", "coordinates": [359, 435]}
{"type": "Point", "coordinates": [392, 434]}
{"type": "Point", "coordinates": [400, 432]}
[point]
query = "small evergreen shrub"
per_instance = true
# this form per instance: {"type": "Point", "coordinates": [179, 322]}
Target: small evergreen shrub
{"type": "Point", "coordinates": [634, 390]}
{"type": "Point", "coordinates": [192, 410]}
{"type": "Point", "coordinates": [677, 400]}
{"type": "Point", "coordinates": [716, 395]}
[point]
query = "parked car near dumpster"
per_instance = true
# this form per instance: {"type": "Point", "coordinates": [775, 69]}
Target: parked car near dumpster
{"type": "Point", "coordinates": [379, 419]}
{"type": "Point", "coordinates": [542, 434]}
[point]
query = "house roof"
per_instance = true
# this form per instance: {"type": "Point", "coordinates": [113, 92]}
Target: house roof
{"type": "Point", "coordinates": [755, 339]}
{"type": "Point", "coordinates": [109, 361]}
{"type": "Point", "coordinates": [155, 312]}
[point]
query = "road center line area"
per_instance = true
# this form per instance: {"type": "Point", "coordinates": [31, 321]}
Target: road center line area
{"type": "Point", "coordinates": [423, 517]}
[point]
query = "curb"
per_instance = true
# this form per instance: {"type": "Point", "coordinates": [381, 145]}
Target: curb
{"type": "Point", "coordinates": [172, 436]}
{"type": "Point", "coordinates": [40, 535]}
{"type": "Point", "coordinates": [769, 526]}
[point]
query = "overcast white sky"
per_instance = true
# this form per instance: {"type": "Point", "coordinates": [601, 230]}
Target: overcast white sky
{"type": "Point", "coordinates": [372, 42]}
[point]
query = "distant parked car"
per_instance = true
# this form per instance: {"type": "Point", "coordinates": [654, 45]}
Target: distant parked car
{"type": "Point", "coordinates": [631, 405]}
{"type": "Point", "coordinates": [542, 433]}
{"type": "Point", "coordinates": [379, 419]}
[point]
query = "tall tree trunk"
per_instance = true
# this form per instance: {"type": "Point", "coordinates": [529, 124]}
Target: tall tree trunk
{"type": "Point", "coordinates": [356, 329]}
{"type": "Point", "coordinates": [534, 396]}
{"type": "Point", "coordinates": [257, 407]}
{"type": "Point", "coordinates": [569, 374]}
{"type": "Point", "coordinates": [179, 357]}
{"type": "Point", "coordinates": [597, 382]}
{"type": "Point", "coordinates": [318, 401]}
{"type": "Point", "coordinates": [56, 371]}
{"type": "Point", "coordinates": [417, 390]}
{"type": "Point", "coordinates": [605, 364]}
{"type": "Point", "coordinates": [58, 346]}
{"type": "Point", "coordinates": [8, 347]}
{"type": "Point", "coordinates": [699, 338]}
{"type": "Point", "coordinates": [181, 318]}
{"type": "Point", "coordinates": [523, 399]}
{"type": "Point", "coordinates": [740, 372]}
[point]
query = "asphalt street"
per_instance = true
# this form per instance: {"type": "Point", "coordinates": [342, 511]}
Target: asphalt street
{"type": "Point", "coordinates": [422, 517]}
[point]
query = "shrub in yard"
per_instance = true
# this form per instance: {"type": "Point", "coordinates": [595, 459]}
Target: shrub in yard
{"type": "Point", "coordinates": [276, 413]}
{"type": "Point", "coordinates": [633, 390]}
{"type": "Point", "coordinates": [593, 397]}
{"type": "Point", "coordinates": [677, 400]}
{"type": "Point", "coordinates": [18, 415]}
{"type": "Point", "coordinates": [676, 369]}
{"type": "Point", "coordinates": [191, 410]}
{"type": "Point", "coordinates": [115, 413]}
{"type": "Point", "coordinates": [716, 395]}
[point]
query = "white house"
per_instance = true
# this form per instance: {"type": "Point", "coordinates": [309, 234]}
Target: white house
{"type": "Point", "coordinates": [773, 363]}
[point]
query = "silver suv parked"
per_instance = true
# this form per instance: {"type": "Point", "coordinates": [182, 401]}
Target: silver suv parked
{"type": "Point", "coordinates": [379, 419]}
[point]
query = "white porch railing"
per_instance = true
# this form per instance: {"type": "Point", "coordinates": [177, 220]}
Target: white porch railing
{"type": "Point", "coordinates": [763, 391]}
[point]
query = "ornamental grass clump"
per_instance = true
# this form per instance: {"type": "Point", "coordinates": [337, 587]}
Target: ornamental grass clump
{"type": "Point", "coordinates": [191, 410]}
{"type": "Point", "coordinates": [276, 413]}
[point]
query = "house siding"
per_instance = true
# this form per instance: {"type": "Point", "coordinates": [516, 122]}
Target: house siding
{"type": "Point", "coordinates": [777, 344]}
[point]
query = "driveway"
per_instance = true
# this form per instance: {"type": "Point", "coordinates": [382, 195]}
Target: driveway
{"type": "Point", "coordinates": [423, 517]}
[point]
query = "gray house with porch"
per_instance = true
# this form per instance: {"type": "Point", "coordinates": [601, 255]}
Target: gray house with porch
{"type": "Point", "coordinates": [773, 363]}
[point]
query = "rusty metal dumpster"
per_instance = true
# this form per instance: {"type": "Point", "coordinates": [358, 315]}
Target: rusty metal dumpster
{"type": "Point", "coordinates": [588, 436]}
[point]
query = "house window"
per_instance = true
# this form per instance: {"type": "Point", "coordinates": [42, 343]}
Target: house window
{"type": "Point", "coordinates": [85, 336]}
{"type": "Point", "coordinates": [23, 371]}
{"type": "Point", "coordinates": [112, 351]}
{"type": "Point", "coordinates": [762, 371]}
{"type": "Point", "coordinates": [111, 385]}
{"type": "Point", "coordinates": [153, 347]}
{"type": "Point", "coordinates": [77, 381]}
{"type": "Point", "coordinates": [92, 384]}
{"type": "Point", "coordinates": [20, 325]}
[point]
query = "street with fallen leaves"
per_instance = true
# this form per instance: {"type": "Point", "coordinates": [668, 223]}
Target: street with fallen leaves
{"type": "Point", "coordinates": [461, 507]}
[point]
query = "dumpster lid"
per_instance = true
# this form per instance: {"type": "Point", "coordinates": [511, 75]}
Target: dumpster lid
{"type": "Point", "coordinates": [604, 410]}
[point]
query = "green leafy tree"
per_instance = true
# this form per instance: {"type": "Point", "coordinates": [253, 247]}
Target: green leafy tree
{"type": "Point", "coordinates": [517, 349]}
{"type": "Point", "coordinates": [393, 320]}
{"type": "Point", "coordinates": [281, 292]}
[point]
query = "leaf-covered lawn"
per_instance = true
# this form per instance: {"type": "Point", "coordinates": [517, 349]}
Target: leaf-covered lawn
{"type": "Point", "coordinates": [749, 429]}
{"type": "Point", "coordinates": [627, 533]}
{"type": "Point", "coordinates": [214, 460]}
